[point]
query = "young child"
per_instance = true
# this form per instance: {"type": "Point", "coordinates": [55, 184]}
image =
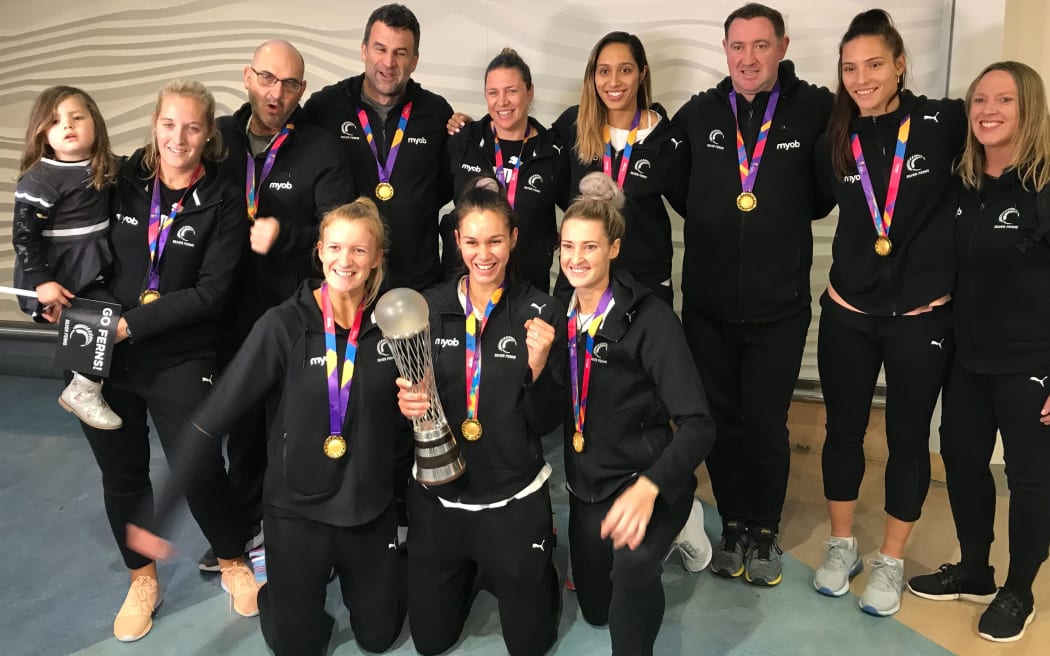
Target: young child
{"type": "Point", "coordinates": [62, 221]}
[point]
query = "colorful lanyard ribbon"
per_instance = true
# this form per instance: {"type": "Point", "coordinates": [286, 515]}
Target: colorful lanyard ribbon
{"type": "Point", "coordinates": [884, 220]}
{"type": "Point", "coordinates": [249, 186]}
{"type": "Point", "coordinates": [395, 144]}
{"type": "Point", "coordinates": [160, 225]}
{"type": "Point", "coordinates": [508, 178]}
{"type": "Point", "coordinates": [579, 395]}
{"type": "Point", "coordinates": [749, 171]}
{"type": "Point", "coordinates": [625, 159]}
{"type": "Point", "coordinates": [338, 387]}
{"type": "Point", "coordinates": [473, 353]}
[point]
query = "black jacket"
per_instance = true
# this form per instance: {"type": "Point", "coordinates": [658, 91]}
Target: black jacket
{"type": "Point", "coordinates": [196, 270]}
{"type": "Point", "coordinates": [310, 176]}
{"type": "Point", "coordinates": [283, 361]}
{"type": "Point", "coordinates": [921, 266]}
{"type": "Point", "coordinates": [421, 180]}
{"type": "Point", "coordinates": [659, 165]}
{"type": "Point", "coordinates": [1002, 314]}
{"type": "Point", "coordinates": [752, 267]}
{"type": "Point", "coordinates": [642, 379]}
{"type": "Point", "coordinates": [540, 180]}
{"type": "Point", "coordinates": [514, 410]}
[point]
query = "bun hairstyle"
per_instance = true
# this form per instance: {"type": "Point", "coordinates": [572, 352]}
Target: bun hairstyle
{"type": "Point", "coordinates": [877, 23]}
{"type": "Point", "coordinates": [509, 58]}
{"type": "Point", "coordinates": [601, 200]}
{"type": "Point", "coordinates": [364, 210]}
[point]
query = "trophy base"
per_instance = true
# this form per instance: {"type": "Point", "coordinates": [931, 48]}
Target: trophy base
{"type": "Point", "coordinates": [438, 459]}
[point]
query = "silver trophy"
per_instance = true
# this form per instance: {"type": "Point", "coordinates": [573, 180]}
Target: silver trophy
{"type": "Point", "coordinates": [403, 317]}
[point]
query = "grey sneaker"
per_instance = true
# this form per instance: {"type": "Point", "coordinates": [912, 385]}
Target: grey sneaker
{"type": "Point", "coordinates": [728, 560]}
{"type": "Point", "coordinates": [692, 542]}
{"type": "Point", "coordinates": [83, 398]}
{"type": "Point", "coordinates": [882, 596]}
{"type": "Point", "coordinates": [762, 564]}
{"type": "Point", "coordinates": [840, 564]}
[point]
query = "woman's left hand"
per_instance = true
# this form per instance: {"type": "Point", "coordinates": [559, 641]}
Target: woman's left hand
{"type": "Point", "coordinates": [539, 336]}
{"type": "Point", "coordinates": [1044, 414]}
{"type": "Point", "coordinates": [628, 519]}
{"type": "Point", "coordinates": [148, 544]}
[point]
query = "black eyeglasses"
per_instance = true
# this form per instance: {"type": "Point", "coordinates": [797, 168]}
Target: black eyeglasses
{"type": "Point", "coordinates": [268, 79]}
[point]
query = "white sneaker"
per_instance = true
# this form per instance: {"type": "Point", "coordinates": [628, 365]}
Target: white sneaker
{"type": "Point", "coordinates": [83, 398]}
{"type": "Point", "coordinates": [692, 542]}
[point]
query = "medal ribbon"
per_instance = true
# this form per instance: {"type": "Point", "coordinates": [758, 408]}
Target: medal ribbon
{"type": "Point", "coordinates": [160, 225]}
{"type": "Point", "coordinates": [579, 395]}
{"type": "Point", "coordinates": [473, 353]}
{"type": "Point", "coordinates": [885, 219]}
{"type": "Point", "coordinates": [508, 180]}
{"type": "Point", "coordinates": [749, 171]}
{"type": "Point", "coordinates": [338, 388]}
{"type": "Point", "coordinates": [249, 186]}
{"type": "Point", "coordinates": [395, 144]}
{"type": "Point", "coordinates": [625, 159]}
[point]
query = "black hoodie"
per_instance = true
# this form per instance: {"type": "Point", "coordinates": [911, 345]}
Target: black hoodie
{"type": "Point", "coordinates": [642, 379]}
{"type": "Point", "coordinates": [1002, 314]}
{"type": "Point", "coordinates": [921, 266]}
{"type": "Point", "coordinates": [752, 267]}
{"type": "Point", "coordinates": [657, 166]}
{"type": "Point", "coordinates": [421, 180]}
{"type": "Point", "coordinates": [283, 361]}
{"type": "Point", "coordinates": [514, 409]}
{"type": "Point", "coordinates": [309, 177]}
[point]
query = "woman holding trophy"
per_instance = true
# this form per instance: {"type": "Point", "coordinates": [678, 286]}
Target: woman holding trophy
{"type": "Point", "coordinates": [498, 364]}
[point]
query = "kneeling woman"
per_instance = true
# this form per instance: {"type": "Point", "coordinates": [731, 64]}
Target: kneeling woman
{"type": "Point", "coordinates": [499, 353]}
{"type": "Point", "coordinates": [630, 475]}
{"type": "Point", "coordinates": [328, 499]}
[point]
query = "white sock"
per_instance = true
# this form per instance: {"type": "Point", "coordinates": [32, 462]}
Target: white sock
{"type": "Point", "coordinates": [890, 560]}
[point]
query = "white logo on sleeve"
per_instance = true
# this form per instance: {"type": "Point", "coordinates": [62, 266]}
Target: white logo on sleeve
{"type": "Point", "coordinates": [207, 379]}
{"type": "Point", "coordinates": [932, 117]}
{"type": "Point", "coordinates": [540, 544]}
{"type": "Point", "coordinates": [715, 139]}
{"type": "Point", "coordinates": [939, 344]}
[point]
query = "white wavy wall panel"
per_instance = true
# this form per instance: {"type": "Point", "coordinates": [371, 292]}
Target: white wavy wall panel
{"type": "Point", "coordinates": [121, 52]}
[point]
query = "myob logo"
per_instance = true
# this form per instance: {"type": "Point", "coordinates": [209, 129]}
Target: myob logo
{"type": "Point", "coordinates": [789, 145]}
{"type": "Point", "coordinates": [417, 141]}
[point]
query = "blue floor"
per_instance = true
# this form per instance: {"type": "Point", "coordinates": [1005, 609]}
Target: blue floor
{"type": "Point", "coordinates": [62, 579]}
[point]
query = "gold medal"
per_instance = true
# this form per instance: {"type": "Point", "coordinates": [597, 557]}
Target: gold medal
{"type": "Point", "coordinates": [577, 442]}
{"type": "Point", "coordinates": [335, 447]}
{"type": "Point", "coordinates": [148, 296]}
{"type": "Point", "coordinates": [746, 201]}
{"type": "Point", "coordinates": [471, 429]}
{"type": "Point", "coordinates": [883, 246]}
{"type": "Point", "coordinates": [384, 191]}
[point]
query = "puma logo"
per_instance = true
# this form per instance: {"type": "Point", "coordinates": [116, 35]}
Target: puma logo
{"type": "Point", "coordinates": [540, 545]}
{"type": "Point", "coordinates": [392, 546]}
{"type": "Point", "coordinates": [557, 148]}
{"type": "Point", "coordinates": [208, 380]}
{"type": "Point", "coordinates": [539, 308]}
{"type": "Point", "coordinates": [1041, 381]}
{"type": "Point", "coordinates": [676, 142]}
{"type": "Point", "coordinates": [933, 117]}
{"type": "Point", "coordinates": [939, 344]}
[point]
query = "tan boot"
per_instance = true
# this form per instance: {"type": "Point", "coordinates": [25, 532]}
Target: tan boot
{"type": "Point", "coordinates": [239, 580]}
{"type": "Point", "coordinates": [83, 398]}
{"type": "Point", "coordinates": [135, 618]}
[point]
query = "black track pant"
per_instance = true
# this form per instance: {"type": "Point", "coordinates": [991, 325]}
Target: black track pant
{"type": "Point", "coordinates": [170, 395]}
{"type": "Point", "coordinates": [621, 587]}
{"type": "Point", "coordinates": [916, 352]}
{"type": "Point", "coordinates": [749, 373]}
{"type": "Point", "coordinates": [300, 554]}
{"type": "Point", "coordinates": [509, 548]}
{"type": "Point", "coordinates": [975, 405]}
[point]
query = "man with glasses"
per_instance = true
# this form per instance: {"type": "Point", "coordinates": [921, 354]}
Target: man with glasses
{"type": "Point", "coordinates": [293, 173]}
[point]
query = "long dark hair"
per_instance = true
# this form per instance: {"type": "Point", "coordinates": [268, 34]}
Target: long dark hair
{"type": "Point", "coordinates": [874, 22]}
{"type": "Point", "coordinates": [483, 194]}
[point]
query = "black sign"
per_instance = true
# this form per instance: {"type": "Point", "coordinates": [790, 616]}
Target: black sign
{"type": "Point", "coordinates": [87, 333]}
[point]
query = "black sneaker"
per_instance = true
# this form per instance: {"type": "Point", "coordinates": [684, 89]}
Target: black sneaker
{"type": "Point", "coordinates": [1006, 618]}
{"type": "Point", "coordinates": [949, 583]}
{"type": "Point", "coordinates": [209, 563]}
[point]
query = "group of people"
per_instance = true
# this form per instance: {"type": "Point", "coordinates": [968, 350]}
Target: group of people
{"type": "Point", "coordinates": [226, 330]}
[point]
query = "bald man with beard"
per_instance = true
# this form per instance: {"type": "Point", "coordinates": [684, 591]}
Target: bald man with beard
{"type": "Point", "coordinates": [296, 172]}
